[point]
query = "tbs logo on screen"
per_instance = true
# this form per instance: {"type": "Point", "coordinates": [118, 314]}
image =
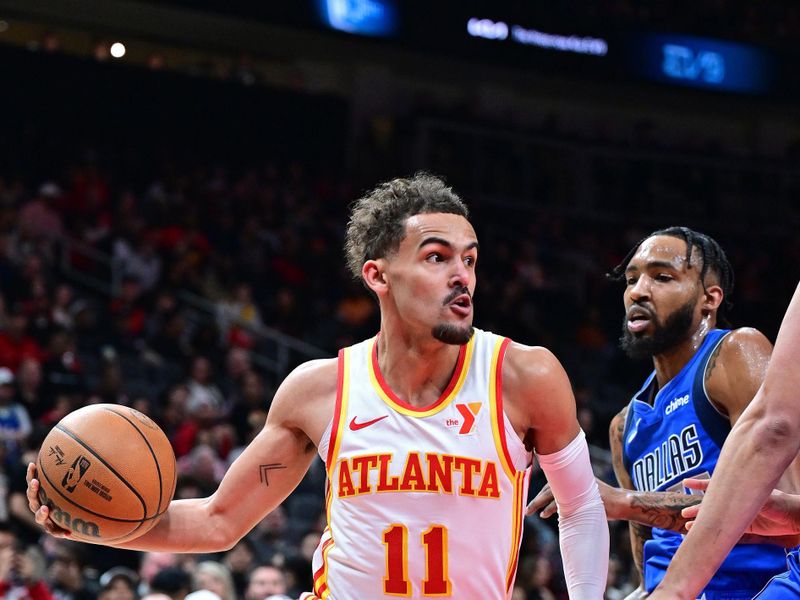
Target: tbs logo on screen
{"type": "Point", "coordinates": [364, 17]}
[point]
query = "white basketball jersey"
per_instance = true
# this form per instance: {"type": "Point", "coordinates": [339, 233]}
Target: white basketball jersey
{"type": "Point", "coordinates": [422, 502]}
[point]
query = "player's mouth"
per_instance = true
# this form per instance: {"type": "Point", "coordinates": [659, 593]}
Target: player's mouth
{"type": "Point", "coordinates": [638, 319]}
{"type": "Point", "coordinates": [461, 305]}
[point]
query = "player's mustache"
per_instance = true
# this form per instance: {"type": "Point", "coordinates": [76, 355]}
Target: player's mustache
{"type": "Point", "coordinates": [455, 294]}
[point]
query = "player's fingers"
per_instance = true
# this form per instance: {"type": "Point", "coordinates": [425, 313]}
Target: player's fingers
{"type": "Point", "coordinates": [542, 499]}
{"type": "Point", "coordinates": [696, 484]}
{"type": "Point", "coordinates": [549, 510]}
{"type": "Point", "coordinates": [31, 472]}
{"type": "Point", "coordinates": [689, 524]}
{"type": "Point", "coordinates": [690, 512]}
{"type": "Point", "coordinates": [42, 518]}
{"type": "Point", "coordinates": [33, 495]}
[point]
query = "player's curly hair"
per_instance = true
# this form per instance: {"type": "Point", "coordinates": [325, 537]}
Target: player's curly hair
{"type": "Point", "coordinates": [378, 219]}
{"type": "Point", "coordinates": [712, 256]}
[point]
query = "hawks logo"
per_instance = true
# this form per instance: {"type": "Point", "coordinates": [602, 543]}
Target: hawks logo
{"type": "Point", "coordinates": [75, 473]}
{"type": "Point", "coordinates": [469, 412]}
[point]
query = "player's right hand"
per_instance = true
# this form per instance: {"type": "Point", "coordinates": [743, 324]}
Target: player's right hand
{"type": "Point", "coordinates": [41, 512]}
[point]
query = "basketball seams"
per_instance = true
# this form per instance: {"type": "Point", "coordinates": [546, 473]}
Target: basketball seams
{"type": "Point", "coordinates": [135, 492]}
{"type": "Point", "coordinates": [152, 453]}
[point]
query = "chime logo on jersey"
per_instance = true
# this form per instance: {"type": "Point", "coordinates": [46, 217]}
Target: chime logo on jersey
{"type": "Point", "coordinates": [468, 412]}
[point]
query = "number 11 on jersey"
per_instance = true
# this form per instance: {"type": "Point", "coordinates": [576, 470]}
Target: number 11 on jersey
{"type": "Point", "coordinates": [396, 582]}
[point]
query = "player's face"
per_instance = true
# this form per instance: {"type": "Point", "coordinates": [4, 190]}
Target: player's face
{"type": "Point", "coordinates": [432, 276]}
{"type": "Point", "coordinates": [663, 297]}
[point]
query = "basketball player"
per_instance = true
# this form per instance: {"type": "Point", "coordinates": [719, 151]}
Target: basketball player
{"type": "Point", "coordinates": [677, 283]}
{"type": "Point", "coordinates": [764, 442]}
{"type": "Point", "coordinates": [426, 431]}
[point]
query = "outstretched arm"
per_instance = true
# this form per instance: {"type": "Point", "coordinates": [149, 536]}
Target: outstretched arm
{"type": "Point", "coordinates": [541, 397]}
{"type": "Point", "coordinates": [763, 443]}
{"type": "Point", "coordinates": [257, 482]}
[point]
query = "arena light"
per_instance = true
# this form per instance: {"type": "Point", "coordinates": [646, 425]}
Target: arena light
{"type": "Point", "coordinates": [117, 49]}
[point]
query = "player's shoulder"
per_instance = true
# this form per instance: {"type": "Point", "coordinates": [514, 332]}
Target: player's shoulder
{"type": "Point", "coordinates": [312, 382]}
{"type": "Point", "coordinates": [314, 376]}
{"type": "Point", "coordinates": [744, 341]}
{"type": "Point", "coordinates": [740, 346]}
{"type": "Point", "coordinates": [532, 372]}
{"type": "Point", "coordinates": [531, 361]}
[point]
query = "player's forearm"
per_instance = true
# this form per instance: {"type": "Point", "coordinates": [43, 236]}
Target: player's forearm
{"type": "Point", "coordinates": [653, 509]}
{"type": "Point", "coordinates": [584, 541]}
{"type": "Point", "coordinates": [728, 507]}
{"type": "Point", "coordinates": [188, 526]}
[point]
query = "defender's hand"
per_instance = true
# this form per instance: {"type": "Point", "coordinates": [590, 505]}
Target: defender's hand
{"type": "Point", "coordinates": [40, 512]}
{"type": "Point", "coordinates": [543, 501]}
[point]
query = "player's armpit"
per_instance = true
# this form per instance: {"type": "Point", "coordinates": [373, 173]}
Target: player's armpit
{"type": "Point", "coordinates": [538, 398]}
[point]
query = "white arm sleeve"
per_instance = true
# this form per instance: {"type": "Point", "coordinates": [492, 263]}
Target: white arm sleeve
{"type": "Point", "coordinates": [582, 524]}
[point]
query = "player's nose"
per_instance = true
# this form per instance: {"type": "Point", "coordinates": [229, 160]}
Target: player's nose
{"type": "Point", "coordinates": [640, 290]}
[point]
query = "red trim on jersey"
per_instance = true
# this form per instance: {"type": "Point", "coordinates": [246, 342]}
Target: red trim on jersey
{"type": "Point", "coordinates": [462, 352]}
{"type": "Point", "coordinates": [498, 394]}
{"type": "Point", "coordinates": [337, 408]}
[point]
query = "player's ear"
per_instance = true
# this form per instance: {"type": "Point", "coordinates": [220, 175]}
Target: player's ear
{"type": "Point", "coordinates": [374, 274]}
{"type": "Point", "coordinates": [712, 299]}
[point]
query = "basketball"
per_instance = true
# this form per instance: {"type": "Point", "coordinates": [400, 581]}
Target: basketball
{"type": "Point", "coordinates": [107, 473]}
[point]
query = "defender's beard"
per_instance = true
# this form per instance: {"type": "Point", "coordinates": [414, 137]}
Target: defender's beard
{"type": "Point", "coordinates": [674, 330]}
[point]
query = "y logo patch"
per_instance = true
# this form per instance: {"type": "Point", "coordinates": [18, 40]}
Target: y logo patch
{"type": "Point", "coordinates": [469, 411]}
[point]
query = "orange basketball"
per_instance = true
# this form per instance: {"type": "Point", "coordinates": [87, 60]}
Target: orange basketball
{"type": "Point", "coordinates": [107, 472]}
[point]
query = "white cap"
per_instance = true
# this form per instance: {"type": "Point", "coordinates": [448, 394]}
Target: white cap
{"type": "Point", "coordinates": [49, 189]}
{"type": "Point", "coordinates": [6, 376]}
{"type": "Point", "coordinates": [202, 595]}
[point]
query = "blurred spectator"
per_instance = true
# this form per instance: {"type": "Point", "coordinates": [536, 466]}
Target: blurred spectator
{"type": "Point", "coordinates": [203, 465]}
{"type": "Point", "coordinates": [240, 561]}
{"type": "Point", "coordinates": [22, 570]}
{"type": "Point", "coordinates": [118, 583]}
{"type": "Point", "coordinates": [38, 217]}
{"type": "Point", "coordinates": [66, 573]}
{"type": "Point", "coordinates": [265, 580]}
{"type": "Point", "coordinates": [64, 304]}
{"type": "Point", "coordinates": [15, 343]}
{"type": "Point", "coordinates": [174, 582]}
{"type": "Point", "coordinates": [15, 423]}
{"type": "Point", "coordinates": [237, 315]}
{"type": "Point", "coordinates": [214, 577]}
{"type": "Point", "coordinates": [137, 259]}
{"type": "Point", "coordinates": [29, 389]}
{"type": "Point", "coordinates": [151, 564]}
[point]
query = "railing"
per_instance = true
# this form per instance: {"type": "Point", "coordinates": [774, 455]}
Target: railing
{"type": "Point", "coordinates": [101, 273]}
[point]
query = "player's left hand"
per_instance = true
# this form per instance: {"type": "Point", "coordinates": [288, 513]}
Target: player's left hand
{"type": "Point", "coordinates": [544, 502]}
{"type": "Point", "coordinates": [774, 519]}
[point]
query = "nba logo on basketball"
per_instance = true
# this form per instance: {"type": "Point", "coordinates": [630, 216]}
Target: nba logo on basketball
{"type": "Point", "coordinates": [75, 473]}
{"type": "Point", "coordinates": [468, 412]}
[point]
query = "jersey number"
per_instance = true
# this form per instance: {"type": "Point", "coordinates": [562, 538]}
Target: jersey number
{"type": "Point", "coordinates": [396, 582]}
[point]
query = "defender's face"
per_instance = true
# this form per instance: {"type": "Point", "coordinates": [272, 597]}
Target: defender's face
{"type": "Point", "coordinates": [432, 275]}
{"type": "Point", "coordinates": [663, 295]}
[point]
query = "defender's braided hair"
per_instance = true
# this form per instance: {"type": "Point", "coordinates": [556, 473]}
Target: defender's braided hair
{"type": "Point", "coordinates": [713, 259]}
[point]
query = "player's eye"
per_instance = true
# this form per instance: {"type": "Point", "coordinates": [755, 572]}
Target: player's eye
{"type": "Point", "coordinates": [663, 277]}
{"type": "Point", "coordinates": [631, 281]}
{"type": "Point", "coordinates": [434, 257]}
{"type": "Point", "coordinates": [469, 261]}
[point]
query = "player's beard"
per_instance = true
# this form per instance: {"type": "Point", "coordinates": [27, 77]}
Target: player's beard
{"type": "Point", "coordinates": [675, 329]}
{"type": "Point", "coordinates": [455, 335]}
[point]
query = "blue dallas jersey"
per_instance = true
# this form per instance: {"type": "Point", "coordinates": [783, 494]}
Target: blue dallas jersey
{"type": "Point", "coordinates": [680, 435]}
